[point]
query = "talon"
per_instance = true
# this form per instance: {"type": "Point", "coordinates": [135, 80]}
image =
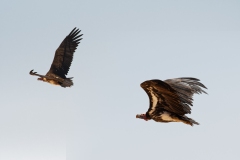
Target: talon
{"type": "Point", "coordinates": [31, 72]}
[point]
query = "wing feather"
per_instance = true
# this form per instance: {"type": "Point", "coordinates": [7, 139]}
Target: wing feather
{"type": "Point", "coordinates": [186, 87]}
{"type": "Point", "coordinates": [174, 95]}
{"type": "Point", "coordinates": [64, 54]}
{"type": "Point", "coordinates": [167, 97]}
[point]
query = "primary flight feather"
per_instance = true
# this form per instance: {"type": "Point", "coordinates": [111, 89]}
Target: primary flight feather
{"type": "Point", "coordinates": [62, 61]}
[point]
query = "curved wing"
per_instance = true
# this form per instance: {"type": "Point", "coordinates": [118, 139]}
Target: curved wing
{"type": "Point", "coordinates": [185, 88]}
{"type": "Point", "coordinates": [174, 95]}
{"type": "Point", "coordinates": [64, 54]}
{"type": "Point", "coordinates": [162, 97]}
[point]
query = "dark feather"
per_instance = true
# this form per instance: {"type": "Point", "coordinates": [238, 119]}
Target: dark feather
{"type": "Point", "coordinates": [186, 87]}
{"type": "Point", "coordinates": [64, 54]}
{"type": "Point", "coordinates": [173, 95]}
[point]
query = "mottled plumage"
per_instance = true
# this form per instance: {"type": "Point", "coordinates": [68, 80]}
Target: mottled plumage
{"type": "Point", "coordinates": [171, 99]}
{"type": "Point", "coordinates": [62, 61]}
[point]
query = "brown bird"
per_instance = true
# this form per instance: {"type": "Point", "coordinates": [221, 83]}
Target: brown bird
{"type": "Point", "coordinates": [171, 99]}
{"type": "Point", "coordinates": [62, 61]}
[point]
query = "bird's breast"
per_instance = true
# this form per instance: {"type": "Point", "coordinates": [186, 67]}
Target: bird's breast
{"type": "Point", "coordinates": [166, 117]}
{"type": "Point", "coordinates": [53, 82]}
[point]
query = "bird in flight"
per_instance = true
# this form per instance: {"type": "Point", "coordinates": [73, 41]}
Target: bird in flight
{"type": "Point", "coordinates": [62, 61]}
{"type": "Point", "coordinates": [171, 99]}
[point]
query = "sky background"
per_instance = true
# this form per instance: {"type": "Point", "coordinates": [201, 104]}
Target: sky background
{"type": "Point", "coordinates": [124, 44]}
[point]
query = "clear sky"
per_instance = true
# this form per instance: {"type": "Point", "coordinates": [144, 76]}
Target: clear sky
{"type": "Point", "coordinates": [124, 43]}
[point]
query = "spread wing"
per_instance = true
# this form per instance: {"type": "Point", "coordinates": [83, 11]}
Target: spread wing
{"type": "Point", "coordinates": [169, 95]}
{"type": "Point", "coordinates": [162, 97]}
{"type": "Point", "coordinates": [64, 54]}
{"type": "Point", "coordinates": [185, 88]}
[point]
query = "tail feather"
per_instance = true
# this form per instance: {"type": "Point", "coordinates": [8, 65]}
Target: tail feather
{"type": "Point", "coordinates": [188, 121]}
{"type": "Point", "coordinates": [67, 82]}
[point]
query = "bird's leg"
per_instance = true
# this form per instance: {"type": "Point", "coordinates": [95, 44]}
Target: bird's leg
{"type": "Point", "coordinates": [35, 74]}
{"type": "Point", "coordinates": [42, 78]}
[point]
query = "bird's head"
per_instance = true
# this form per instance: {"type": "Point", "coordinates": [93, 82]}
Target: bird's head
{"type": "Point", "coordinates": [142, 116]}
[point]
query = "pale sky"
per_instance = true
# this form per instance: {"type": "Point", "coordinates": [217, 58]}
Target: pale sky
{"type": "Point", "coordinates": [124, 44]}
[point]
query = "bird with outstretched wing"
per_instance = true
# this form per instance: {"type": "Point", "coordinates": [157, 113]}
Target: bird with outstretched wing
{"type": "Point", "coordinates": [62, 61]}
{"type": "Point", "coordinates": [171, 99]}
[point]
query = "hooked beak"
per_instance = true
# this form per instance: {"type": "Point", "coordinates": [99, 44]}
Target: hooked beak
{"type": "Point", "coordinates": [142, 116]}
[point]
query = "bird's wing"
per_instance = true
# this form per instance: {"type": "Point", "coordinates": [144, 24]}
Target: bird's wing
{"type": "Point", "coordinates": [185, 88]}
{"type": "Point", "coordinates": [64, 54]}
{"type": "Point", "coordinates": [162, 96]}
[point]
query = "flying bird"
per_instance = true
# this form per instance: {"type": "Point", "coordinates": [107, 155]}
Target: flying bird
{"type": "Point", "coordinates": [171, 99]}
{"type": "Point", "coordinates": [62, 61]}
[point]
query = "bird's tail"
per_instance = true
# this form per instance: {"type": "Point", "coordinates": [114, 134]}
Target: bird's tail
{"type": "Point", "coordinates": [188, 121]}
{"type": "Point", "coordinates": [67, 82]}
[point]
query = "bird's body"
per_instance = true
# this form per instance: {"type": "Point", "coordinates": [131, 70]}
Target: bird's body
{"type": "Point", "coordinates": [62, 61]}
{"type": "Point", "coordinates": [53, 82]}
{"type": "Point", "coordinates": [171, 99]}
